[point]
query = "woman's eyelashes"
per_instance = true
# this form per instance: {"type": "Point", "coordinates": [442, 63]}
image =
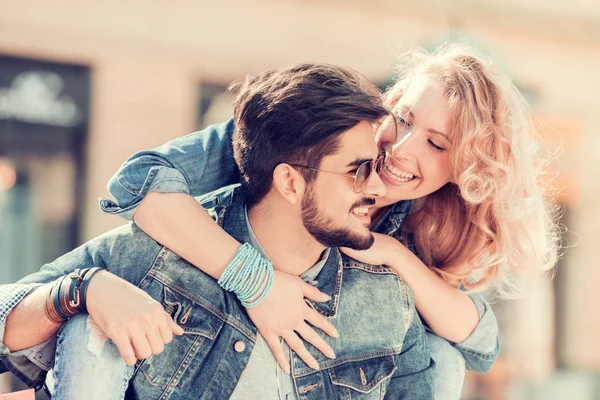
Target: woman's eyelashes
{"type": "Point", "coordinates": [435, 146]}
{"type": "Point", "coordinates": [405, 126]}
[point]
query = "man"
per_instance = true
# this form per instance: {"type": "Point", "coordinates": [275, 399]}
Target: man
{"type": "Point", "coordinates": [304, 144]}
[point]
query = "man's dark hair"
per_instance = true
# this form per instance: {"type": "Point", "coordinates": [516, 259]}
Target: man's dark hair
{"type": "Point", "coordinates": [296, 115]}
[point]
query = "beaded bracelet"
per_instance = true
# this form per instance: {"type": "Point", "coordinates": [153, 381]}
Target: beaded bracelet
{"type": "Point", "coordinates": [249, 275]}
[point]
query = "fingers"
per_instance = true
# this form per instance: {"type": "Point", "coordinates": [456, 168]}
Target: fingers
{"type": "Point", "coordinates": [165, 331]}
{"type": "Point", "coordinates": [140, 344]}
{"type": "Point", "coordinates": [126, 350]}
{"type": "Point", "coordinates": [296, 344]}
{"type": "Point", "coordinates": [322, 323]}
{"type": "Point", "coordinates": [157, 345]}
{"type": "Point", "coordinates": [277, 350]}
{"type": "Point", "coordinates": [313, 338]}
{"type": "Point", "coordinates": [176, 329]}
{"type": "Point", "coordinates": [313, 293]}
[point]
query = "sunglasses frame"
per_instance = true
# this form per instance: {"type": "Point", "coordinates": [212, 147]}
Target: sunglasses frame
{"type": "Point", "coordinates": [357, 186]}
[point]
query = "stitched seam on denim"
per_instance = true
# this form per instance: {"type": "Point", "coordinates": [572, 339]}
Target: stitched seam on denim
{"type": "Point", "coordinates": [219, 369]}
{"type": "Point", "coordinates": [319, 382]}
{"type": "Point", "coordinates": [184, 366]}
{"type": "Point", "coordinates": [169, 385]}
{"type": "Point", "coordinates": [487, 356]}
{"type": "Point", "coordinates": [165, 280]}
{"type": "Point", "coordinates": [146, 279]}
{"type": "Point", "coordinates": [336, 293]}
{"type": "Point", "coordinates": [134, 191]}
{"type": "Point", "coordinates": [376, 381]}
{"type": "Point", "coordinates": [375, 269]}
{"type": "Point", "coordinates": [348, 359]}
{"type": "Point", "coordinates": [154, 184]}
{"type": "Point", "coordinates": [209, 333]}
{"type": "Point", "coordinates": [407, 314]}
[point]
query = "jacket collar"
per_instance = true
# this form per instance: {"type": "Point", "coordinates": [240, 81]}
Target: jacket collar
{"type": "Point", "coordinates": [328, 281]}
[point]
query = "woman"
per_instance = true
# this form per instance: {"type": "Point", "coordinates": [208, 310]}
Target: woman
{"type": "Point", "coordinates": [460, 143]}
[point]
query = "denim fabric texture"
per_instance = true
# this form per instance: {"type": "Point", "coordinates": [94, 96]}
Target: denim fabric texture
{"type": "Point", "coordinates": [382, 351]}
{"type": "Point", "coordinates": [203, 161]}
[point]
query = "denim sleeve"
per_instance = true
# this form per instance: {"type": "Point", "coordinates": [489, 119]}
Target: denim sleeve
{"type": "Point", "coordinates": [481, 348]}
{"type": "Point", "coordinates": [196, 164]}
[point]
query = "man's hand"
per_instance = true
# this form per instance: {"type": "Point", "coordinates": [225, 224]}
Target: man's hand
{"type": "Point", "coordinates": [136, 322]}
{"type": "Point", "coordinates": [285, 313]}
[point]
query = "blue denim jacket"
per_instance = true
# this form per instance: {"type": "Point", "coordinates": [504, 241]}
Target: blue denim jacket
{"type": "Point", "coordinates": [382, 351]}
{"type": "Point", "coordinates": [202, 162]}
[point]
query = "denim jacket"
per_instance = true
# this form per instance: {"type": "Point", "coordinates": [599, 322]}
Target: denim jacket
{"type": "Point", "coordinates": [382, 351]}
{"type": "Point", "coordinates": [202, 162]}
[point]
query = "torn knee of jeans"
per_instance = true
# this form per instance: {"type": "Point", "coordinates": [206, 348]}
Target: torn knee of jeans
{"type": "Point", "coordinates": [97, 338]}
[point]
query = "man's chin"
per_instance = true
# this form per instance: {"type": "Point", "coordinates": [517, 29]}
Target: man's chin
{"type": "Point", "coordinates": [365, 244]}
{"type": "Point", "coordinates": [346, 239]}
{"type": "Point", "coordinates": [360, 243]}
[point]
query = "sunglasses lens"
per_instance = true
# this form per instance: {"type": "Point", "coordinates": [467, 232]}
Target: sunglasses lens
{"type": "Point", "coordinates": [362, 176]}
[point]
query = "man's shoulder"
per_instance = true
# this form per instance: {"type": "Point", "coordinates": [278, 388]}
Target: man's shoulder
{"type": "Point", "coordinates": [349, 262]}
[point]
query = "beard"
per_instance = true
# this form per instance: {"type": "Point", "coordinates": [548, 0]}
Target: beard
{"type": "Point", "coordinates": [327, 232]}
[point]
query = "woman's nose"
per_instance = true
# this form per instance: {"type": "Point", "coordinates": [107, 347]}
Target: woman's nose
{"type": "Point", "coordinates": [404, 147]}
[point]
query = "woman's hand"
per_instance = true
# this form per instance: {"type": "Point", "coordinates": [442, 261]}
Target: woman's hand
{"type": "Point", "coordinates": [380, 253]}
{"type": "Point", "coordinates": [285, 313]}
{"type": "Point", "coordinates": [136, 322]}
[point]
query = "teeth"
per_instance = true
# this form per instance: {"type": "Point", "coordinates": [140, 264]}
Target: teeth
{"type": "Point", "coordinates": [399, 174]}
{"type": "Point", "coordinates": [360, 211]}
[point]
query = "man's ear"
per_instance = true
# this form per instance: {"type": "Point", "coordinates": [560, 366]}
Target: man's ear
{"type": "Point", "coordinates": [289, 183]}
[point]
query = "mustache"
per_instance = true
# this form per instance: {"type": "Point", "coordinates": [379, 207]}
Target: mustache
{"type": "Point", "coordinates": [367, 201]}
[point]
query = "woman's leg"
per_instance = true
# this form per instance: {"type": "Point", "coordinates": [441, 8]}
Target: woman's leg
{"type": "Point", "coordinates": [88, 365]}
{"type": "Point", "coordinates": [449, 368]}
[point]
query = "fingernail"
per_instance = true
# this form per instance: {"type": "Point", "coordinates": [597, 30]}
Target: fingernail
{"type": "Point", "coordinates": [335, 334]}
{"type": "Point", "coordinates": [328, 297]}
{"type": "Point", "coordinates": [331, 354]}
{"type": "Point", "coordinates": [286, 369]}
{"type": "Point", "coordinates": [315, 365]}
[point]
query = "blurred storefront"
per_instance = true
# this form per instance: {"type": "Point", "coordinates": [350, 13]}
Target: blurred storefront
{"type": "Point", "coordinates": [156, 70]}
{"type": "Point", "coordinates": [43, 129]}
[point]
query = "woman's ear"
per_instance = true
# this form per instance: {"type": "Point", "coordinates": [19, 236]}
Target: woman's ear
{"type": "Point", "coordinates": [289, 183]}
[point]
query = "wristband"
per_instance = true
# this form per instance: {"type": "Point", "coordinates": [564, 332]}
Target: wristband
{"type": "Point", "coordinates": [249, 275]}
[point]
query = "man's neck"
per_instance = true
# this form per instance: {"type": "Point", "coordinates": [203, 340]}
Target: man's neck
{"type": "Point", "coordinates": [284, 239]}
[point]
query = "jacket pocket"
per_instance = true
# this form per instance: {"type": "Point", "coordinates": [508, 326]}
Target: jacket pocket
{"type": "Point", "coordinates": [364, 379]}
{"type": "Point", "coordinates": [181, 358]}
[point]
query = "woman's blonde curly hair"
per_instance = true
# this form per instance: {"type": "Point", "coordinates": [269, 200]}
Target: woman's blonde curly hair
{"type": "Point", "coordinates": [497, 218]}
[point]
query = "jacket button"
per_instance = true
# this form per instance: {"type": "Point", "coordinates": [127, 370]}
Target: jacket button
{"type": "Point", "coordinates": [239, 346]}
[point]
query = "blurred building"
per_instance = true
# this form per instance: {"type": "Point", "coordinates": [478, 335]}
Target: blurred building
{"type": "Point", "coordinates": [83, 85]}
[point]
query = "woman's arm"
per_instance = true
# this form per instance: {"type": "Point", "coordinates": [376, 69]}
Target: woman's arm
{"type": "Point", "coordinates": [195, 164]}
{"type": "Point", "coordinates": [447, 311]}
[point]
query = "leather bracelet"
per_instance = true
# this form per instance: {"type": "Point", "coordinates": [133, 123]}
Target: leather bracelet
{"type": "Point", "coordinates": [57, 298]}
{"type": "Point", "coordinates": [66, 296]}
{"type": "Point", "coordinates": [70, 293]}
{"type": "Point", "coordinates": [49, 309]}
{"type": "Point", "coordinates": [85, 283]}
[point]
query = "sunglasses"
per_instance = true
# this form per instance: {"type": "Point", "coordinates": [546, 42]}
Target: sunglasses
{"type": "Point", "coordinates": [361, 175]}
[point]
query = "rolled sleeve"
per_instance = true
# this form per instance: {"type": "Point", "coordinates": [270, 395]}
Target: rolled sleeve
{"type": "Point", "coordinates": [161, 179]}
{"type": "Point", "coordinates": [195, 164]}
{"type": "Point", "coordinates": [31, 364]}
{"type": "Point", "coordinates": [481, 348]}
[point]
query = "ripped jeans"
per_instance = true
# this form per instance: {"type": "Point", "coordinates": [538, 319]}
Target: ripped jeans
{"type": "Point", "coordinates": [89, 366]}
